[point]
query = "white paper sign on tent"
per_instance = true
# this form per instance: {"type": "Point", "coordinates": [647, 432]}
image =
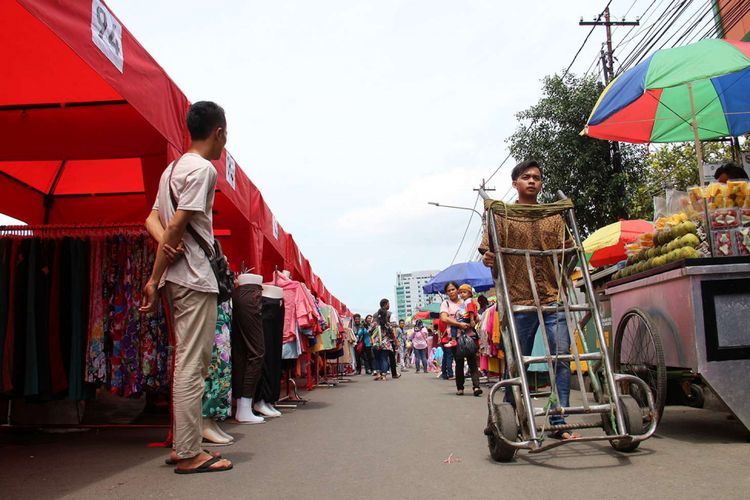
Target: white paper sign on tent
{"type": "Point", "coordinates": [106, 33]}
{"type": "Point", "coordinates": [231, 170]}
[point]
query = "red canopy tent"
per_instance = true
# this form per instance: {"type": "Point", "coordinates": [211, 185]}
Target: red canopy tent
{"type": "Point", "coordinates": [85, 136]}
{"type": "Point", "coordinates": [269, 237]}
{"type": "Point", "coordinates": [307, 273]}
{"type": "Point", "coordinates": [89, 121]}
{"type": "Point", "coordinates": [293, 261]}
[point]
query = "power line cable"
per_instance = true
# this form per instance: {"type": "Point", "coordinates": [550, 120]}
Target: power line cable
{"type": "Point", "coordinates": [585, 40]}
{"type": "Point", "coordinates": [498, 168]}
{"type": "Point", "coordinates": [468, 224]}
{"type": "Point", "coordinates": [645, 34]}
{"type": "Point", "coordinates": [654, 34]}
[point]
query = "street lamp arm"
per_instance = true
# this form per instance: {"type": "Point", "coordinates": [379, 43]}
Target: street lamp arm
{"type": "Point", "coordinates": [455, 207]}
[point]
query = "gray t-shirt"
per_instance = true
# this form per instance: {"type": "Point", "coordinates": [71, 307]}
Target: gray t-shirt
{"type": "Point", "coordinates": [193, 185]}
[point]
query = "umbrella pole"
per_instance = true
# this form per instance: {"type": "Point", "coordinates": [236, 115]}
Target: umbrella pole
{"type": "Point", "coordinates": [694, 127]}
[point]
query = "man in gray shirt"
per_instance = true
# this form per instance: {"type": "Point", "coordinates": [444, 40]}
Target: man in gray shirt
{"type": "Point", "coordinates": [182, 271]}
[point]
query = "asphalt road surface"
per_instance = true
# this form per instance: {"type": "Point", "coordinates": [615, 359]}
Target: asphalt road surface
{"type": "Point", "coordinates": [383, 440]}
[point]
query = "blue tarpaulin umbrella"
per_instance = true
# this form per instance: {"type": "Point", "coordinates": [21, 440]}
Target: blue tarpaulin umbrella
{"type": "Point", "coordinates": [475, 274]}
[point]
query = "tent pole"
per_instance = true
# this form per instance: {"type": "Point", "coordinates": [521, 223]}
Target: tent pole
{"type": "Point", "coordinates": [694, 127]}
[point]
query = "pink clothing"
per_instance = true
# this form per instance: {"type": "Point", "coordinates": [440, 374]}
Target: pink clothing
{"type": "Point", "coordinates": [298, 308]}
{"type": "Point", "coordinates": [452, 308]}
{"type": "Point", "coordinates": [419, 338]}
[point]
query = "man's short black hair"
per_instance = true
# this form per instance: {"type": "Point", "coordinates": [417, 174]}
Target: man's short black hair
{"type": "Point", "coordinates": [522, 167]}
{"type": "Point", "coordinates": [383, 302]}
{"type": "Point", "coordinates": [357, 315]}
{"type": "Point", "coordinates": [732, 170]}
{"type": "Point", "coordinates": [203, 118]}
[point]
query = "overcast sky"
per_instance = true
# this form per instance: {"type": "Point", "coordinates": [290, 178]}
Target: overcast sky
{"type": "Point", "coordinates": [351, 115]}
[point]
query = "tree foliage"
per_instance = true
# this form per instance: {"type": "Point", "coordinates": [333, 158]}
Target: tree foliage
{"type": "Point", "coordinates": [580, 166]}
{"type": "Point", "coordinates": [672, 166]}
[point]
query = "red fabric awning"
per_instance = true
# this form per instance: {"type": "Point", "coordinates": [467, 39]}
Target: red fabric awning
{"type": "Point", "coordinates": [82, 141]}
{"type": "Point", "coordinates": [294, 262]}
{"type": "Point", "coordinates": [86, 142]}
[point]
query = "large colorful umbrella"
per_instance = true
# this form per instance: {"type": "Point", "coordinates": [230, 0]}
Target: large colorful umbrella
{"type": "Point", "coordinates": [696, 92]}
{"type": "Point", "coordinates": [606, 246]}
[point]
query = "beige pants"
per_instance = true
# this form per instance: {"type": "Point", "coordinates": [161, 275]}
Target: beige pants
{"type": "Point", "coordinates": [194, 320]}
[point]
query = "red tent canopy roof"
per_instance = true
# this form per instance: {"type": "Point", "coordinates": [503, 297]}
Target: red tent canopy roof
{"type": "Point", "coordinates": [86, 142]}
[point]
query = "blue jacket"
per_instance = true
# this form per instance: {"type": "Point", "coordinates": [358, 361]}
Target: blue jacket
{"type": "Point", "coordinates": [364, 332]}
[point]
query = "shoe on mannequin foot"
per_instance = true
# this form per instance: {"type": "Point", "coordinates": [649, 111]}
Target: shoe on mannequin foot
{"type": "Point", "coordinates": [222, 433]}
{"type": "Point", "coordinates": [266, 410]}
{"type": "Point", "coordinates": [245, 413]}
{"type": "Point", "coordinates": [215, 427]}
{"type": "Point", "coordinates": [210, 433]}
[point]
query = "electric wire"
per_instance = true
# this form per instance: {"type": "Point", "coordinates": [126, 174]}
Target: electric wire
{"type": "Point", "coordinates": [585, 40]}
{"type": "Point", "coordinates": [646, 35]}
{"type": "Point", "coordinates": [468, 224]}
{"type": "Point", "coordinates": [498, 168]}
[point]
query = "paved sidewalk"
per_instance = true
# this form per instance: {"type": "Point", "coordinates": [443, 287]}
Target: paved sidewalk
{"type": "Point", "coordinates": [383, 440]}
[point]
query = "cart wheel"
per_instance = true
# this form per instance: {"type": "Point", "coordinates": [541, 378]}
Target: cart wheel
{"type": "Point", "coordinates": [507, 425]}
{"type": "Point", "coordinates": [638, 351]}
{"type": "Point", "coordinates": [633, 417]}
{"type": "Point", "coordinates": [695, 398]}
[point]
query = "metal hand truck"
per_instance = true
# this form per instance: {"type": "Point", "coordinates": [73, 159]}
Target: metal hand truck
{"type": "Point", "coordinates": [512, 427]}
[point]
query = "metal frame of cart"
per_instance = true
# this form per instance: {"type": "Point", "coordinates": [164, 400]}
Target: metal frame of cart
{"type": "Point", "coordinates": [510, 428]}
{"type": "Point", "coordinates": [687, 324]}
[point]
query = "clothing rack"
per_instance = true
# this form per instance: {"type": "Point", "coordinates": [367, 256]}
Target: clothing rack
{"type": "Point", "coordinates": [325, 382]}
{"type": "Point", "coordinates": [292, 398]}
{"type": "Point", "coordinates": [58, 231]}
{"type": "Point", "coordinates": [61, 230]}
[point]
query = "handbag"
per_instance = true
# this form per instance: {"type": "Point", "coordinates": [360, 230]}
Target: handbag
{"type": "Point", "coordinates": [466, 346]}
{"type": "Point", "coordinates": [217, 260]}
{"type": "Point", "coordinates": [360, 346]}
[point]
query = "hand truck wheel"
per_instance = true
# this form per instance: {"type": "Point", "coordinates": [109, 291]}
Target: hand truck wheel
{"type": "Point", "coordinates": [505, 424]}
{"type": "Point", "coordinates": [633, 417]}
{"type": "Point", "coordinates": [638, 351]}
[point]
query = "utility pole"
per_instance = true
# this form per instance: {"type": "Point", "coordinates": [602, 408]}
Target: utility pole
{"type": "Point", "coordinates": [608, 67]}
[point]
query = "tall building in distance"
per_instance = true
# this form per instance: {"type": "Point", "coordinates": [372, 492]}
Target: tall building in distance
{"type": "Point", "coordinates": [409, 294]}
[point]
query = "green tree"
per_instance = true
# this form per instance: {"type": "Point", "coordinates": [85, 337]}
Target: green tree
{"type": "Point", "coordinates": [580, 166]}
{"type": "Point", "coordinates": [672, 166]}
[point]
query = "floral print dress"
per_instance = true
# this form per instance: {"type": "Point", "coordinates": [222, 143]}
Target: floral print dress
{"type": "Point", "coordinates": [218, 391]}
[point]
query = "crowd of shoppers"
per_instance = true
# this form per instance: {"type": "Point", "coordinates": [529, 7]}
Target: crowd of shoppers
{"type": "Point", "coordinates": [385, 348]}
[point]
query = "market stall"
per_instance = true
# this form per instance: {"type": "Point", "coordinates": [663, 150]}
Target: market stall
{"type": "Point", "coordinates": [682, 302]}
{"type": "Point", "coordinates": [89, 122]}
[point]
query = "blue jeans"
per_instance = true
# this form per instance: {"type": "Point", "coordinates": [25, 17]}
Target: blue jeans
{"type": "Point", "coordinates": [420, 356]}
{"type": "Point", "coordinates": [447, 363]}
{"type": "Point", "coordinates": [381, 362]}
{"type": "Point", "coordinates": [527, 325]}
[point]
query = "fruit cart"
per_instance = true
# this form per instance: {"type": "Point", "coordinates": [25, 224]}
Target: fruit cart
{"type": "Point", "coordinates": [685, 324]}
